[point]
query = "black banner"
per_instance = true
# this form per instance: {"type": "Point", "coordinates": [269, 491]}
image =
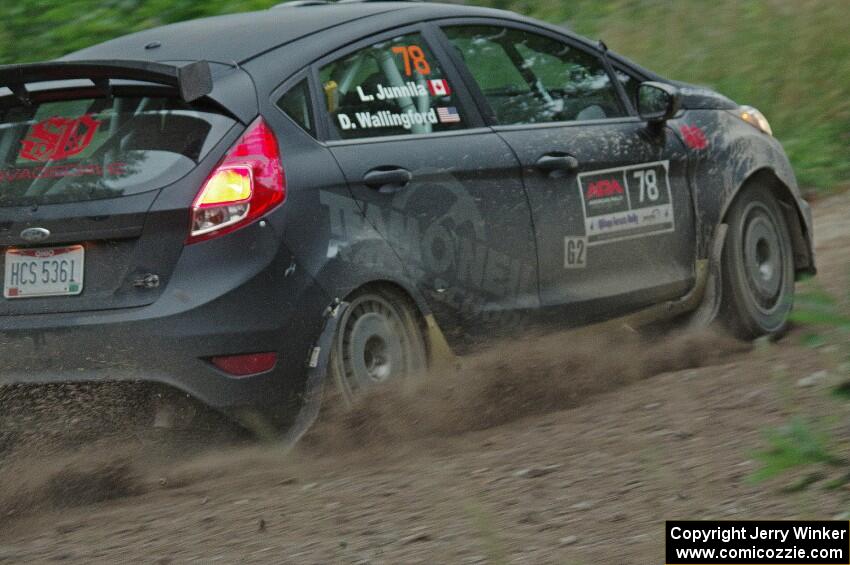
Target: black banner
{"type": "Point", "coordinates": [758, 543]}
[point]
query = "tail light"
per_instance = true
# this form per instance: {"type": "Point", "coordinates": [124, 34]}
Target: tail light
{"type": "Point", "coordinates": [248, 183]}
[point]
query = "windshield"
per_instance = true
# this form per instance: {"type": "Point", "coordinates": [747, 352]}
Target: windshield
{"type": "Point", "coordinates": [94, 148]}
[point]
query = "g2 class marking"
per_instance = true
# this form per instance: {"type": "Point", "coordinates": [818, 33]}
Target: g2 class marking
{"type": "Point", "coordinates": [575, 252]}
{"type": "Point", "coordinates": [627, 202]}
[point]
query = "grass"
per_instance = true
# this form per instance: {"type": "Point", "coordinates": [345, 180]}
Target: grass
{"type": "Point", "coordinates": [789, 58]}
{"type": "Point", "coordinates": [796, 444]}
{"type": "Point", "coordinates": [804, 442]}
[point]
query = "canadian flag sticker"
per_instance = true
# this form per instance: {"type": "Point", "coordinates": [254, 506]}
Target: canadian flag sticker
{"type": "Point", "coordinates": [439, 87]}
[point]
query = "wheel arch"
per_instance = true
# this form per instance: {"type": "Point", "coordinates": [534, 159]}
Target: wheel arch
{"type": "Point", "coordinates": [795, 216]}
{"type": "Point", "coordinates": [737, 156]}
{"type": "Point", "coordinates": [417, 304]}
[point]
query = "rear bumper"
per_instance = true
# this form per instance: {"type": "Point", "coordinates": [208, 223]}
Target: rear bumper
{"type": "Point", "coordinates": [239, 303]}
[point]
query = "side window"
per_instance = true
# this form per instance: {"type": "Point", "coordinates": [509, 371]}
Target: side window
{"type": "Point", "coordinates": [296, 104]}
{"type": "Point", "coordinates": [394, 87]}
{"type": "Point", "coordinates": [528, 78]}
{"type": "Point", "coordinates": [630, 85]}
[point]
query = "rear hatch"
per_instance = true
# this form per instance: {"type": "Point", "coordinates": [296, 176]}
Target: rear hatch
{"type": "Point", "coordinates": [79, 173]}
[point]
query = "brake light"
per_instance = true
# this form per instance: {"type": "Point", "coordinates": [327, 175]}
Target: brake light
{"type": "Point", "coordinates": [248, 183]}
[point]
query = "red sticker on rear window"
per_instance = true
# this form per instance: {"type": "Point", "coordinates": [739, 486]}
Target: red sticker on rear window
{"type": "Point", "coordinates": [58, 138]}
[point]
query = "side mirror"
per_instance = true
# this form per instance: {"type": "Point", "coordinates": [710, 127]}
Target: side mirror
{"type": "Point", "coordinates": [658, 102]}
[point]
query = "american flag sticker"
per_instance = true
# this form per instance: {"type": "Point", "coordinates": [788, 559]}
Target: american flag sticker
{"type": "Point", "coordinates": [448, 115]}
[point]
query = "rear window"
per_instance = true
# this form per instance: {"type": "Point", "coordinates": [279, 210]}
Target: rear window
{"type": "Point", "coordinates": [89, 149]}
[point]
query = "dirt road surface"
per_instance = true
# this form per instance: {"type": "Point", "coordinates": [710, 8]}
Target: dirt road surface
{"type": "Point", "coordinates": [569, 449]}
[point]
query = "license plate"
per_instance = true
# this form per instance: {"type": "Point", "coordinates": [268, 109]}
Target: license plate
{"type": "Point", "coordinates": [55, 271]}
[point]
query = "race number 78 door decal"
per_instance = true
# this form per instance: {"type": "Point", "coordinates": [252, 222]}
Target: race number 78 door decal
{"type": "Point", "coordinates": [626, 203]}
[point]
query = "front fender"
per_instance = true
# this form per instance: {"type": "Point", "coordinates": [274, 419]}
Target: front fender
{"type": "Point", "coordinates": [726, 154]}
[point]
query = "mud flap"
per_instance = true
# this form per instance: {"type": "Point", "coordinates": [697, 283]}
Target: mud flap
{"type": "Point", "coordinates": [708, 309]}
{"type": "Point", "coordinates": [316, 376]}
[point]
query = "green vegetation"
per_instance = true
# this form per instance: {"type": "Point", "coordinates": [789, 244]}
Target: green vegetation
{"type": "Point", "coordinates": [806, 442]}
{"type": "Point", "coordinates": [794, 445]}
{"type": "Point", "coordinates": [789, 58]}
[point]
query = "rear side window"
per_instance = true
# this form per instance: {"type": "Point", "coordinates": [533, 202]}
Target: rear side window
{"type": "Point", "coordinates": [394, 87]}
{"type": "Point", "coordinates": [296, 105]}
{"type": "Point", "coordinates": [93, 148]}
{"type": "Point", "coordinates": [529, 78]}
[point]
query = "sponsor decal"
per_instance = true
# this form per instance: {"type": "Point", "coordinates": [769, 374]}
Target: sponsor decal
{"type": "Point", "coordinates": [61, 171]}
{"type": "Point", "coordinates": [626, 203]}
{"type": "Point", "coordinates": [694, 137]}
{"type": "Point", "coordinates": [448, 115]}
{"type": "Point", "coordinates": [387, 119]}
{"type": "Point", "coordinates": [605, 193]}
{"type": "Point", "coordinates": [439, 87]}
{"type": "Point", "coordinates": [445, 244]}
{"type": "Point", "coordinates": [58, 138]}
{"type": "Point", "coordinates": [606, 188]}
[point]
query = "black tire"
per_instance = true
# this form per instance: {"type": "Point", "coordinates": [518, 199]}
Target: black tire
{"type": "Point", "coordinates": [757, 266]}
{"type": "Point", "coordinates": [378, 339]}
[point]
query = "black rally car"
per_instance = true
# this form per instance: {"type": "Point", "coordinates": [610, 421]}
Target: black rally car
{"type": "Point", "coordinates": [228, 206]}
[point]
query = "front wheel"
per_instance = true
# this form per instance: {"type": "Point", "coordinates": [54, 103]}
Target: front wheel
{"type": "Point", "coordinates": [757, 266]}
{"type": "Point", "coordinates": [378, 339]}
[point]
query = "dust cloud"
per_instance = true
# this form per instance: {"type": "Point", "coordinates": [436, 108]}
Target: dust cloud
{"type": "Point", "coordinates": [510, 381]}
{"type": "Point", "coordinates": [61, 468]}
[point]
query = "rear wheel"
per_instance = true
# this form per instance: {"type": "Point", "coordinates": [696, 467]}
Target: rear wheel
{"type": "Point", "coordinates": [378, 339]}
{"type": "Point", "coordinates": [758, 266]}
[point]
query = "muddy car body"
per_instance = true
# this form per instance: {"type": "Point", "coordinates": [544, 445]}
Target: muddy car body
{"type": "Point", "coordinates": [441, 171]}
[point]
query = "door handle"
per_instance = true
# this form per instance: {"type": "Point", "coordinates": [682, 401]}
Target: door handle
{"type": "Point", "coordinates": [387, 179]}
{"type": "Point", "coordinates": [552, 162]}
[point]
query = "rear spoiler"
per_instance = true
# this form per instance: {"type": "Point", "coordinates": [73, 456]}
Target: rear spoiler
{"type": "Point", "coordinates": [193, 80]}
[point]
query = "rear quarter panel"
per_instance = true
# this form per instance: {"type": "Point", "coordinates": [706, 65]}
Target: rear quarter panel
{"type": "Point", "coordinates": [323, 225]}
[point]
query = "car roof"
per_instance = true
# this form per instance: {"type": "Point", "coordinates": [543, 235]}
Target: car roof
{"type": "Point", "coordinates": [237, 38]}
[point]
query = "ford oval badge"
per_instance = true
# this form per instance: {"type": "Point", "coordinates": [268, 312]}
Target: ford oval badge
{"type": "Point", "coordinates": [35, 235]}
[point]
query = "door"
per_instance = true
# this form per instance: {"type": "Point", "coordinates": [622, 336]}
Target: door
{"type": "Point", "coordinates": [609, 197]}
{"type": "Point", "coordinates": [446, 193]}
